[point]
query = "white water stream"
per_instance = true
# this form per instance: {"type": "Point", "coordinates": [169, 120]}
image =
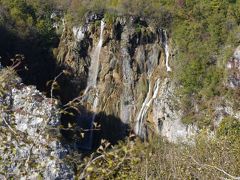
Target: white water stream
{"type": "Point", "coordinates": [145, 106]}
{"type": "Point", "coordinates": [166, 49]}
{"type": "Point", "coordinates": [94, 67]}
{"type": "Point", "coordinates": [139, 128]}
{"type": "Point", "coordinates": [92, 83]}
{"type": "Point", "coordinates": [93, 71]}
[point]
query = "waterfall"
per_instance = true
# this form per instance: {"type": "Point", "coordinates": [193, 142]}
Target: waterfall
{"type": "Point", "coordinates": [93, 69]}
{"type": "Point", "coordinates": [166, 49]}
{"type": "Point", "coordinates": [145, 106]}
{"type": "Point", "coordinates": [95, 104]}
{"type": "Point", "coordinates": [92, 83]}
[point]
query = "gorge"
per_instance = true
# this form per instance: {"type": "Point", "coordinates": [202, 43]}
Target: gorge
{"type": "Point", "coordinates": [119, 93]}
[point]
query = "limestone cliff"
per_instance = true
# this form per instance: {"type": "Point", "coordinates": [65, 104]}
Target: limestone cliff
{"type": "Point", "coordinates": [133, 74]}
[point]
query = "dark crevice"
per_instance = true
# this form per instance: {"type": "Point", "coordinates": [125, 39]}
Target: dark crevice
{"type": "Point", "coordinates": [38, 65]}
{"type": "Point", "coordinates": [87, 137]}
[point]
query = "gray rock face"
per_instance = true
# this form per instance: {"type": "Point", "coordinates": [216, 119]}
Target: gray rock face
{"type": "Point", "coordinates": [167, 116]}
{"type": "Point", "coordinates": [27, 148]}
{"type": "Point", "coordinates": [132, 60]}
{"type": "Point", "coordinates": [236, 54]}
{"type": "Point", "coordinates": [233, 67]}
{"type": "Point", "coordinates": [224, 110]}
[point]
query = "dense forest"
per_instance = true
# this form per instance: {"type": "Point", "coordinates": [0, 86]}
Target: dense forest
{"type": "Point", "coordinates": [204, 35]}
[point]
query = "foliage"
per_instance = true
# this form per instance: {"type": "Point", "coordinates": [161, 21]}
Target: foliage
{"type": "Point", "coordinates": [24, 17]}
{"type": "Point", "coordinates": [7, 79]}
{"type": "Point", "coordinates": [229, 128]}
{"type": "Point", "coordinates": [26, 28]}
{"type": "Point", "coordinates": [203, 33]}
{"type": "Point", "coordinates": [109, 162]}
{"type": "Point", "coordinates": [110, 18]}
{"type": "Point", "coordinates": [158, 159]}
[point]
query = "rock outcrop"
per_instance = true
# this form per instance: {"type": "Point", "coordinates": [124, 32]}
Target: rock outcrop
{"type": "Point", "coordinates": [30, 148]}
{"type": "Point", "coordinates": [233, 66]}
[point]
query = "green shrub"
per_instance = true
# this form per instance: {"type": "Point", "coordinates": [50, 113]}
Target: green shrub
{"type": "Point", "coordinates": [230, 129]}
{"type": "Point", "coordinates": [110, 18]}
{"type": "Point", "coordinates": [159, 159]}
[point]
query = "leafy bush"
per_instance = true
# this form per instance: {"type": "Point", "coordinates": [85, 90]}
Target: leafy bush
{"type": "Point", "coordinates": [110, 17]}
{"type": "Point", "coordinates": [25, 17]}
{"type": "Point", "coordinates": [204, 34]}
{"type": "Point", "coordinates": [230, 129]}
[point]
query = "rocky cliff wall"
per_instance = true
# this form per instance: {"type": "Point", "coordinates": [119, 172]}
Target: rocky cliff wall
{"type": "Point", "coordinates": [133, 76]}
{"type": "Point", "coordinates": [133, 79]}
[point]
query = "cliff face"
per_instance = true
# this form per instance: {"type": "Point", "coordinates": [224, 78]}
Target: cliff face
{"type": "Point", "coordinates": [124, 69]}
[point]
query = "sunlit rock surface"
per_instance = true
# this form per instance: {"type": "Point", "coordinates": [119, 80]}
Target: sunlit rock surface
{"type": "Point", "coordinates": [28, 149]}
{"type": "Point", "coordinates": [233, 66]}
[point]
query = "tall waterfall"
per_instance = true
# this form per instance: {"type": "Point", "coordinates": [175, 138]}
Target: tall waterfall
{"type": "Point", "coordinates": [139, 128]}
{"type": "Point", "coordinates": [93, 69]}
{"type": "Point", "coordinates": [166, 49]}
{"type": "Point", "coordinates": [87, 122]}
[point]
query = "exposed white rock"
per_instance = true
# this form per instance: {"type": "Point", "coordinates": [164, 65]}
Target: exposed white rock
{"type": "Point", "coordinates": [167, 117]}
{"type": "Point", "coordinates": [233, 66]}
{"type": "Point", "coordinates": [27, 149]}
{"type": "Point", "coordinates": [53, 15]}
{"type": "Point", "coordinates": [225, 110]}
{"type": "Point", "coordinates": [78, 33]}
{"type": "Point", "coordinates": [236, 54]}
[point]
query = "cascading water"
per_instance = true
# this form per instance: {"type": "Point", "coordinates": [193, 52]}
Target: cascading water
{"type": "Point", "coordinates": [139, 128]}
{"type": "Point", "coordinates": [92, 83]}
{"type": "Point", "coordinates": [166, 49]}
{"type": "Point", "coordinates": [93, 69]}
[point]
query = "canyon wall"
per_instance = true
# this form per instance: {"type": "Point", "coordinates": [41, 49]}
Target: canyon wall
{"type": "Point", "coordinates": [131, 73]}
